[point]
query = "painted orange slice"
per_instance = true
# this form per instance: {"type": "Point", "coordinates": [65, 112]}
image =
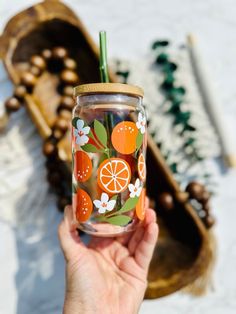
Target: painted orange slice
{"type": "Point", "coordinates": [114, 175]}
{"type": "Point", "coordinates": [82, 205]}
{"type": "Point", "coordinates": [142, 167]}
{"type": "Point", "coordinates": [82, 166]}
{"type": "Point", "coordinates": [124, 136]}
{"type": "Point", "coordinates": [140, 208]}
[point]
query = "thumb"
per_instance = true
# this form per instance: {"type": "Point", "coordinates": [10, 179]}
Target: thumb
{"type": "Point", "coordinates": [68, 235]}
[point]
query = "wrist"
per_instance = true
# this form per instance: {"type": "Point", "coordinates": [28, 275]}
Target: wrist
{"type": "Point", "coordinates": [73, 305]}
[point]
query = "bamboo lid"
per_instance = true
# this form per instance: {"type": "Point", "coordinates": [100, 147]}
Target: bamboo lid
{"type": "Point", "coordinates": [108, 88]}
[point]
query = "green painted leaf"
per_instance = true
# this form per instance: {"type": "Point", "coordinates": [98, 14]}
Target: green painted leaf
{"type": "Point", "coordinates": [129, 204]}
{"type": "Point", "coordinates": [73, 156]}
{"type": "Point", "coordinates": [101, 218]}
{"type": "Point", "coordinates": [120, 220]}
{"type": "Point", "coordinates": [139, 140]}
{"type": "Point", "coordinates": [114, 197]}
{"type": "Point", "coordinates": [74, 188]}
{"type": "Point", "coordinates": [102, 158]}
{"type": "Point", "coordinates": [90, 148]}
{"type": "Point", "coordinates": [100, 132]}
{"type": "Point", "coordinates": [74, 121]}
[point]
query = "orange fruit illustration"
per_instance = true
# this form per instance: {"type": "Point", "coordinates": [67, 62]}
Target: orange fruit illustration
{"type": "Point", "coordinates": [114, 175]}
{"type": "Point", "coordinates": [82, 166]}
{"type": "Point", "coordinates": [124, 136]}
{"type": "Point", "coordinates": [82, 205]}
{"type": "Point", "coordinates": [141, 167]}
{"type": "Point", "coordinates": [140, 209]}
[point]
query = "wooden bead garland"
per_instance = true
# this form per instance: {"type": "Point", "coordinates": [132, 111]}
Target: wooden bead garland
{"type": "Point", "coordinates": [66, 68]}
{"type": "Point", "coordinates": [199, 193]}
{"type": "Point", "coordinates": [194, 191]}
{"type": "Point", "coordinates": [12, 104]}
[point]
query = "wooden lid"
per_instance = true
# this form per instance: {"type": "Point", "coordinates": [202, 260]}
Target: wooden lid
{"type": "Point", "coordinates": [108, 88]}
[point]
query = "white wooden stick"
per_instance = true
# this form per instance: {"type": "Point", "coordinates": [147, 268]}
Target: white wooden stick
{"type": "Point", "coordinates": [211, 101]}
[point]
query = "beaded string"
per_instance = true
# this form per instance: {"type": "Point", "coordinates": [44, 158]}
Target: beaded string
{"type": "Point", "coordinates": [55, 60]}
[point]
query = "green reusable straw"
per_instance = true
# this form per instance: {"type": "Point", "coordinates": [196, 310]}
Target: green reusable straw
{"type": "Point", "coordinates": [103, 57]}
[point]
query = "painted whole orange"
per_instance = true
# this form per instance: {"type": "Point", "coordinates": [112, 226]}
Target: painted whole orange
{"type": "Point", "coordinates": [82, 205]}
{"type": "Point", "coordinates": [124, 136]}
{"type": "Point", "coordinates": [82, 166]}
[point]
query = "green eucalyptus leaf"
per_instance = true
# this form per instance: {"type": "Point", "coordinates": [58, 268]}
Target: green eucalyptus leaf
{"type": "Point", "coordinates": [189, 127]}
{"type": "Point", "coordinates": [120, 220]}
{"type": "Point", "coordinates": [100, 132]}
{"type": "Point", "coordinates": [173, 168]}
{"type": "Point", "coordinates": [182, 118]}
{"type": "Point", "coordinates": [160, 43]}
{"type": "Point", "coordinates": [129, 204]}
{"type": "Point", "coordinates": [162, 58]}
{"type": "Point", "coordinates": [89, 148]}
{"type": "Point", "coordinates": [170, 67]}
{"type": "Point", "coordinates": [190, 141]}
{"type": "Point", "coordinates": [139, 140]}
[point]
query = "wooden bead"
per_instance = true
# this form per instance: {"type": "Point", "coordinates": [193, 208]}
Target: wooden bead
{"type": "Point", "coordinates": [59, 53]}
{"type": "Point", "coordinates": [206, 207]}
{"type": "Point", "coordinates": [209, 221]}
{"type": "Point", "coordinates": [181, 197]}
{"type": "Point", "coordinates": [195, 190]}
{"type": "Point", "coordinates": [61, 124]}
{"type": "Point", "coordinates": [67, 103]}
{"type": "Point", "coordinates": [65, 114]}
{"type": "Point", "coordinates": [165, 201]}
{"type": "Point", "coordinates": [49, 148]}
{"type": "Point", "coordinates": [205, 197]}
{"type": "Point", "coordinates": [58, 134]}
{"type": "Point", "coordinates": [46, 54]}
{"type": "Point", "coordinates": [20, 91]}
{"type": "Point", "coordinates": [12, 104]}
{"type": "Point", "coordinates": [38, 62]}
{"type": "Point", "coordinates": [59, 189]}
{"type": "Point", "coordinates": [69, 77]}
{"type": "Point", "coordinates": [51, 165]}
{"type": "Point", "coordinates": [35, 71]}
{"type": "Point", "coordinates": [70, 64]}
{"type": "Point", "coordinates": [68, 91]}
{"type": "Point", "coordinates": [28, 79]}
{"type": "Point", "coordinates": [54, 178]}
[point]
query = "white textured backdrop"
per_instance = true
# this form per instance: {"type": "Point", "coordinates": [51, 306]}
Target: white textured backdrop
{"type": "Point", "coordinates": [31, 265]}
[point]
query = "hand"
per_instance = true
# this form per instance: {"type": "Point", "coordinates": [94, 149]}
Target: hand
{"type": "Point", "coordinates": [110, 275]}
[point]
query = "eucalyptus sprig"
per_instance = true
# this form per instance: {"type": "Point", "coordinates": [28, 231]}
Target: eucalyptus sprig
{"type": "Point", "coordinates": [175, 95]}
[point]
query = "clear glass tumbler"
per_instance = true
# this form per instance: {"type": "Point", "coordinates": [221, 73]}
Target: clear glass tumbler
{"type": "Point", "coordinates": [109, 139]}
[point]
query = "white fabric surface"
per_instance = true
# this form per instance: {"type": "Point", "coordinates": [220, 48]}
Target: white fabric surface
{"type": "Point", "coordinates": [32, 267]}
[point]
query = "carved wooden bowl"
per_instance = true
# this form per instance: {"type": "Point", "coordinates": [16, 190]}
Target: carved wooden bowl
{"type": "Point", "coordinates": [183, 251]}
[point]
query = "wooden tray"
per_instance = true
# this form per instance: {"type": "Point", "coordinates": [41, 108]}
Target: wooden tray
{"type": "Point", "coordinates": [183, 252]}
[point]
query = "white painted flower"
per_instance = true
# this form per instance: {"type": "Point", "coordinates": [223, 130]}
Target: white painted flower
{"type": "Point", "coordinates": [104, 204]}
{"type": "Point", "coordinates": [80, 133]}
{"type": "Point", "coordinates": [141, 123]}
{"type": "Point", "coordinates": [135, 189]}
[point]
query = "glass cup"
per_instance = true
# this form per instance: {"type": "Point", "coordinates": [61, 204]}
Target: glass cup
{"type": "Point", "coordinates": [109, 140]}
